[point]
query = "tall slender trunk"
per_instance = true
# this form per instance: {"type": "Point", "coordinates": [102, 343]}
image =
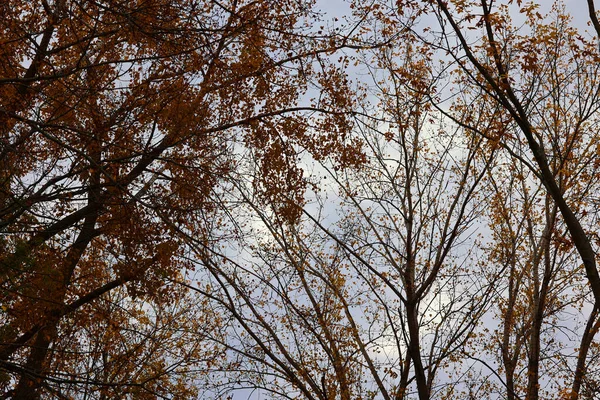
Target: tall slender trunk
{"type": "Point", "coordinates": [540, 296]}
{"type": "Point", "coordinates": [591, 329]}
{"type": "Point", "coordinates": [414, 349]}
{"type": "Point", "coordinates": [33, 377]}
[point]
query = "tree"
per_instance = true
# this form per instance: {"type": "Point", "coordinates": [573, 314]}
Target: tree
{"type": "Point", "coordinates": [538, 87]}
{"type": "Point", "coordinates": [119, 121]}
{"type": "Point", "coordinates": [408, 230]}
{"type": "Point", "coordinates": [504, 67]}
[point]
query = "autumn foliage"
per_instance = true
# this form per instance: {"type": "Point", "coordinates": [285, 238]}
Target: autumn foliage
{"type": "Point", "coordinates": [385, 200]}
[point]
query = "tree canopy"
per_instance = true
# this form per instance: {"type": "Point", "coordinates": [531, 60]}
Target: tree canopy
{"type": "Point", "coordinates": [289, 199]}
